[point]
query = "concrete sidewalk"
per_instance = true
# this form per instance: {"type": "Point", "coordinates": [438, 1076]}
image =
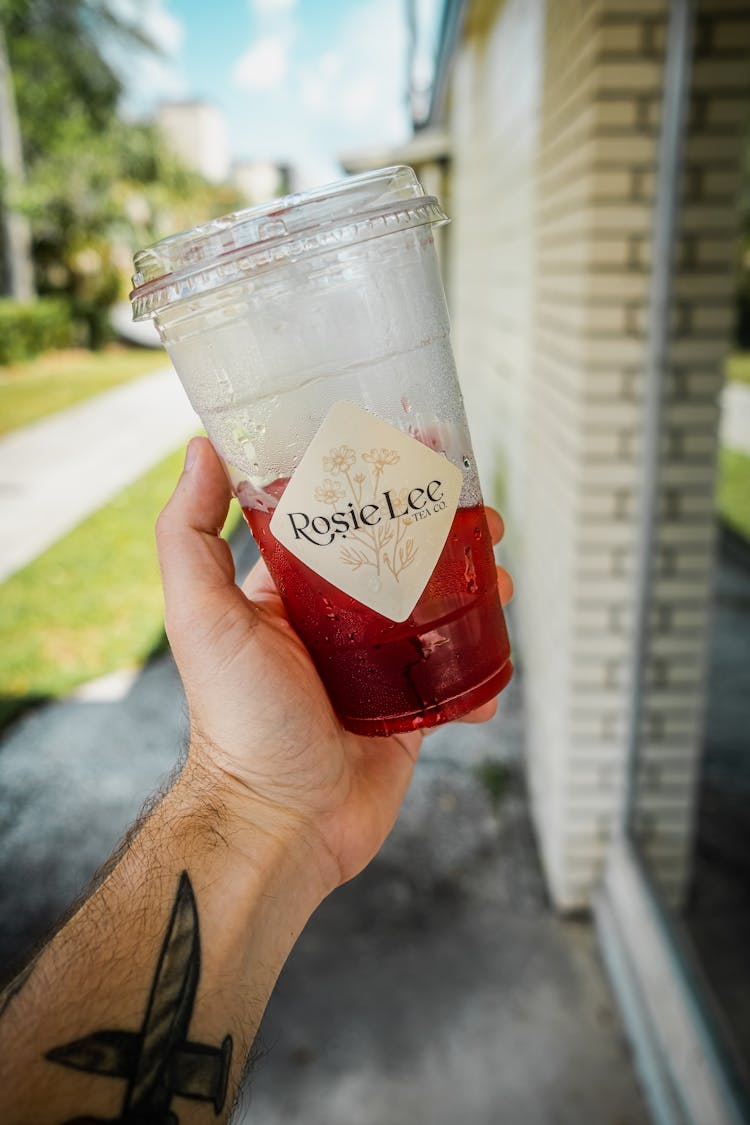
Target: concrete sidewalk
{"type": "Point", "coordinates": [438, 987]}
{"type": "Point", "coordinates": [60, 469]}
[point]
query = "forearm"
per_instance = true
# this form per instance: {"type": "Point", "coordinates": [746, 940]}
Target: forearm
{"type": "Point", "coordinates": [174, 956]}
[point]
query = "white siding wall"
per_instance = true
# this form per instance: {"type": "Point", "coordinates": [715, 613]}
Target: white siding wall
{"type": "Point", "coordinates": [554, 119]}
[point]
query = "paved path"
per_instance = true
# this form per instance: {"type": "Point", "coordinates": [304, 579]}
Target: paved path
{"type": "Point", "coordinates": [60, 469]}
{"type": "Point", "coordinates": [142, 332]}
{"type": "Point", "coordinates": [437, 987]}
{"type": "Point", "coordinates": [735, 417]}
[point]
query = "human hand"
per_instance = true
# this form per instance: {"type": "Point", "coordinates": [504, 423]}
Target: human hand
{"type": "Point", "coordinates": [261, 721]}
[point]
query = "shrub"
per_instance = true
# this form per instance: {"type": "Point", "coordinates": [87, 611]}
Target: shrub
{"type": "Point", "coordinates": [28, 329]}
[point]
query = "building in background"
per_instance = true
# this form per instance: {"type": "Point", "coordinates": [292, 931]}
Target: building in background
{"type": "Point", "coordinates": [260, 180]}
{"type": "Point", "coordinates": [590, 154]}
{"type": "Point", "coordinates": [196, 131]}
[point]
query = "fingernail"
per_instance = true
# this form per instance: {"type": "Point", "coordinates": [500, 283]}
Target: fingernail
{"type": "Point", "coordinates": [190, 455]}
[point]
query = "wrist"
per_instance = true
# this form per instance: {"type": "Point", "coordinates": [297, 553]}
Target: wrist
{"type": "Point", "coordinates": [260, 838]}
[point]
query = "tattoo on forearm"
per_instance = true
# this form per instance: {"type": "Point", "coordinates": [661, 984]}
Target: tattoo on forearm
{"type": "Point", "coordinates": [158, 1061]}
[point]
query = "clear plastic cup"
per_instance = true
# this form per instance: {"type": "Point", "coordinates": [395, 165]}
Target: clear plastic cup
{"type": "Point", "coordinates": [311, 335]}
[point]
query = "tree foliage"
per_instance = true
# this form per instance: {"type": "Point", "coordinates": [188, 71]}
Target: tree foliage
{"type": "Point", "coordinates": [96, 186]}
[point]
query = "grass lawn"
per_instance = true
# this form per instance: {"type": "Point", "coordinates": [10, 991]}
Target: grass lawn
{"type": "Point", "coordinates": [738, 368]}
{"type": "Point", "coordinates": [733, 495]}
{"type": "Point", "coordinates": [58, 379]}
{"type": "Point", "coordinates": [92, 603]}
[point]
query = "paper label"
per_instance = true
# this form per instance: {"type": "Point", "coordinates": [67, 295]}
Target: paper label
{"type": "Point", "coordinates": [369, 509]}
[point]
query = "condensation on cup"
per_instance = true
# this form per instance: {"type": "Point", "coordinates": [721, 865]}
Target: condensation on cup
{"type": "Point", "coordinates": [311, 335]}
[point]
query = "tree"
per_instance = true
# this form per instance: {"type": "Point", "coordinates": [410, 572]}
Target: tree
{"type": "Point", "coordinates": [96, 186]}
{"type": "Point", "coordinates": [17, 269]}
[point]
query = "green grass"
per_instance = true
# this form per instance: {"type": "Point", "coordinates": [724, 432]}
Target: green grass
{"type": "Point", "coordinates": [738, 368]}
{"type": "Point", "coordinates": [92, 603]}
{"type": "Point", "coordinates": [40, 386]}
{"type": "Point", "coordinates": [733, 495]}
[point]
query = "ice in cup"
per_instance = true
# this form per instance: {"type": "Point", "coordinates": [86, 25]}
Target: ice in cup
{"type": "Point", "coordinates": [311, 335]}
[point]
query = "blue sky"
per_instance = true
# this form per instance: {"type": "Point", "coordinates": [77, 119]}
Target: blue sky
{"type": "Point", "coordinates": [298, 80]}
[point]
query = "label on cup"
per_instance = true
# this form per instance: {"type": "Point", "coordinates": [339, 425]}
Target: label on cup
{"type": "Point", "coordinates": [369, 509]}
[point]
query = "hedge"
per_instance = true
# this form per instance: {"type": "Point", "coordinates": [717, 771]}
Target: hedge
{"type": "Point", "coordinates": [28, 329]}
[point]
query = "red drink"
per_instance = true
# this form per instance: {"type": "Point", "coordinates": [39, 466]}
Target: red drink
{"type": "Point", "coordinates": [312, 337]}
{"type": "Point", "coordinates": [450, 655]}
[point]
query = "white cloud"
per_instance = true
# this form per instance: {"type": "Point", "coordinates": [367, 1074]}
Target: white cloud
{"type": "Point", "coordinates": [358, 88]}
{"type": "Point", "coordinates": [317, 84]}
{"type": "Point", "coordinates": [163, 28]}
{"type": "Point", "coordinates": [149, 75]}
{"type": "Point", "coordinates": [158, 24]}
{"type": "Point", "coordinates": [361, 100]}
{"type": "Point", "coordinates": [160, 80]}
{"type": "Point", "coordinates": [264, 65]}
{"type": "Point", "coordinates": [273, 7]}
{"type": "Point", "coordinates": [349, 96]}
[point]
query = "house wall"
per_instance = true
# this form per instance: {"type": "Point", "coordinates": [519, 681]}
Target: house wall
{"type": "Point", "coordinates": [554, 118]}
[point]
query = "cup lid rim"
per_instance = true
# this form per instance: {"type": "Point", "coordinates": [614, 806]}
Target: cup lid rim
{"type": "Point", "coordinates": [294, 227]}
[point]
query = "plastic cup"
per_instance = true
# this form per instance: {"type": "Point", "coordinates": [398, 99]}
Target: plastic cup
{"type": "Point", "coordinates": [311, 335]}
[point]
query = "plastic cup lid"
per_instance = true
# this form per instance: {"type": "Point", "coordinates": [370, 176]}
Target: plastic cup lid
{"type": "Point", "coordinates": [285, 230]}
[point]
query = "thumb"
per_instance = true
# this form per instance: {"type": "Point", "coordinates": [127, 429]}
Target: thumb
{"type": "Point", "coordinates": [197, 570]}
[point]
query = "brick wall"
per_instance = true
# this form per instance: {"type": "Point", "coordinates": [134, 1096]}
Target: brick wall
{"type": "Point", "coordinates": [555, 118]}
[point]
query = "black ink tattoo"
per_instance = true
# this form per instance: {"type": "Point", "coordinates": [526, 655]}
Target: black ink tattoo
{"type": "Point", "coordinates": [158, 1061]}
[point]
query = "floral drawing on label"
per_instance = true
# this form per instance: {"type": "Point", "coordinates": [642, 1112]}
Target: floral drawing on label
{"type": "Point", "coordinates": [369, 508]}
{"type": "Point", "coordinates": [386, 548]}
